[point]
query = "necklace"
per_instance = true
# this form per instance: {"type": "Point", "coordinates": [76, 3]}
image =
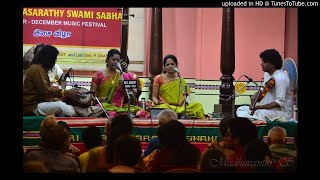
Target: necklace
{"type": "Point", "coordinates": [112, 80]}
{"type": "Point", "coordinates": [170, 78]}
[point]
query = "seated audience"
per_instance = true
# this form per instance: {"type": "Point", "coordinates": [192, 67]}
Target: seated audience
{"type": "Point", "coordinates": [176, 151]}
{"type": "Point", "coordinates": [91, 137]}
{"type": "Point", "coordinates": [164, 116]}
{"type": "Point", "coordinates": [55, 142]}
{"type": "Point", "coordinates": [72, 149]}
{"type": "Point", "coordinates": [101, 158]}
{"type": "Point", "coordinates": [127, 155]}
{"type": "Point", "coordinates": [277, 140]}
{"type": "Point", "coordinates": [258, 156]}
{"type": "Point", "coordinates": [34, 167]}
{"type": "Point", "coordinates": [213, 160]}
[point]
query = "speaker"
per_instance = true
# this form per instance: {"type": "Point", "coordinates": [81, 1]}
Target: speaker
{"type": "Point", "coordinates": [154, 112]}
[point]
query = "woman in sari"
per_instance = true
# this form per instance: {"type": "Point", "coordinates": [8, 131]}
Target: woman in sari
{"type": "Point", "coordinates": [167, 92]}
{"type": "Point", "coordinates": [109, 87]}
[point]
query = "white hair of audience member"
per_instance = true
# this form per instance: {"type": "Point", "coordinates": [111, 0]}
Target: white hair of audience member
{"type": "Point", "coordinates": [167, 115]}
{"type": "Point", "coordinates": [277, 135]}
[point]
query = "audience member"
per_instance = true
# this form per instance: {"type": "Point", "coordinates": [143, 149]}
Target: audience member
{"type": "Point", "coordinates": [258, 156]}
{"type": "Point", "coordinates": [34, 167]}
{"type": "Point", "coordinates": [127, 155]}
{"type": "Point", "coordinates": [55, 142]}
{"type": "Point", "coordinates": [91, 137]}
{"type": "Point", "coordinates": [176, 151]}
{"type": "Point", "coordinates": [72, 149]}
{"type": "Point", "coordinates": [164, 116]}
{"type": "Point", "coordinates": [277, 140]}
{"type": "Point", "coordinates": [101, 158]}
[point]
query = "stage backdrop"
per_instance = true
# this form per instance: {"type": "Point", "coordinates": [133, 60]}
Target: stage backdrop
{"type": "Point", "coordinates": [198, 131]}
{"type": "Point", "coordinates": [82, 35]}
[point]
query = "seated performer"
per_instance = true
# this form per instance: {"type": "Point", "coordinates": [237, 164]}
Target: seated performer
{"type": "Point", "coordinates": [54, 74]}
{"type": "Point", "coordinates": [167, 92]}
{"type": "Point", "coordinates": [38, 94]}
{"type": "Point", "coordinates": [277, 102]}
{"type": "Point", "coordinates": [109, 85]}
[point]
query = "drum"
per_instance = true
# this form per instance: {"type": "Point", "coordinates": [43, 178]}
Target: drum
{"type": "Point", "coordinates": [84, 101]}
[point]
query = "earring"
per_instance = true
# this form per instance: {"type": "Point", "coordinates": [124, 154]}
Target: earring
{"type": "Point", "coordinates": [164, 71]}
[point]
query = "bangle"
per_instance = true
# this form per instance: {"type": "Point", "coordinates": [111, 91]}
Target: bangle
{"type": "Point", "coordinates": [62, 92]}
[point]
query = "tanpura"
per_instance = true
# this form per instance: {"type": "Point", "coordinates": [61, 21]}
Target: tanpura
{"type": "Point", "coordinates": [263, 91]}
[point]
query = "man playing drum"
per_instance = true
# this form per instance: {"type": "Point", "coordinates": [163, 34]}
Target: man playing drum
{"type": "Point", "coordinates": [37, 90]}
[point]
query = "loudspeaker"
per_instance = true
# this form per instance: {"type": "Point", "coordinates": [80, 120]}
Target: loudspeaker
{"type": "Point", "coordinates": [154, 112]}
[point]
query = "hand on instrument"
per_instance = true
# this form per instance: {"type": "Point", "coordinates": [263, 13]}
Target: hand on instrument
{"type": "Point", "coordinates": [72, 94]}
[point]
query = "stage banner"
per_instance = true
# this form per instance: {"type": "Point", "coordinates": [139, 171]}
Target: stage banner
{"type": "Point", "coordinates": [82, 35]}
{"type": "Point", "coordinates": [198, 132]}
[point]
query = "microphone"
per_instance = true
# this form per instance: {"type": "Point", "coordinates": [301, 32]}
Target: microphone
{"type": "Point", "coordinates": [250, 80]}
{"type": "Point", "coordinates": [67, 75]}
{"type": "Point", "coordinates": [176, 70]}
{"type": "Point", "coordinates": [119, 67]}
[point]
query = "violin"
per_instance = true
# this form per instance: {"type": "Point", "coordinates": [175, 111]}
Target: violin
{"type": "Point", "coordinates": [263, 91]}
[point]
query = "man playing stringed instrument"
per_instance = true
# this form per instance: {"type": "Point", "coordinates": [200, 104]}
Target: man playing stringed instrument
{"type": "Point", "coordinates": [274, 101]}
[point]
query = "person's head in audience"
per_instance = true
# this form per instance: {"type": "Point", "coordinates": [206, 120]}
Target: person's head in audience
{"type": "Point", "coordinates": [213, 160]}
{"type": "Point", "coordinates": [47, 122]}
{"type": "Point", "coordinates": [277, 135]}
{"type": "Point", "coordinates": [117, 126]}
{"type": "Point", "coordinates": [55, 138]}
{"type": "Point", "coordinates": [223, 128]}
{"type": "Point", "coordinates": [172, 135]}
{"type": "Point", "coordinates": [239, 132]}
{"type": "Point", "coordinates": [258, 152]}
{"type": "Point", "coordinates": [127, 151]}
{"type": "Point", "coordinates": [64, 125]}
{"type": "Point", "coordinates": [91, 137]}
{"type": "Point", "coordinates": [34, 167]}
{"type": "Point", "coordinates": [167, 115]}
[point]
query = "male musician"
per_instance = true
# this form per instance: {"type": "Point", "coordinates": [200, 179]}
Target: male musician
{"type": "Point", "coordinates": [37, 91]}
{"type": "Point", "coordinates": [54, 74]}
{"type": "Point", "coordinates": [277, 102]}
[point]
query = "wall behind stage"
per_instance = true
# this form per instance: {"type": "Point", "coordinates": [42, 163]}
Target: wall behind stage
{"type": "Point", "coordinates": [194, 36]}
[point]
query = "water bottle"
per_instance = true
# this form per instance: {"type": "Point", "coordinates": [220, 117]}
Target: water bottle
{"type": "Point", "coordinates": [143, 103]}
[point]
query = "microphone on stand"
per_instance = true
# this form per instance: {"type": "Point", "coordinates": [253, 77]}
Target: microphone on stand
{"type": "Point", "coordinates": [250, 80]}
{"type": "Point", "coordinates": [67, 75]}
{"type": "Point", "coordinates": [176, 70]}
{"type": "Point", "coordinates": [119, 67]}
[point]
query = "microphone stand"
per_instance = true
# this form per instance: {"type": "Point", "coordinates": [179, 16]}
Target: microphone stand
{"type": "Point", "coordinates": [233, 97]}
{"type": "Point", "coordinates": [97, 99]}
{"type": "Point", "coordinates": [184, 116]}
{"type": "Point", "coordinates": [129, 98]}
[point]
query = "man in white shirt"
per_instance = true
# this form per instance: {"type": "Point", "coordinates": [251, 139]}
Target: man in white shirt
{"type": "Point", "coordinates": [276, 102]}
